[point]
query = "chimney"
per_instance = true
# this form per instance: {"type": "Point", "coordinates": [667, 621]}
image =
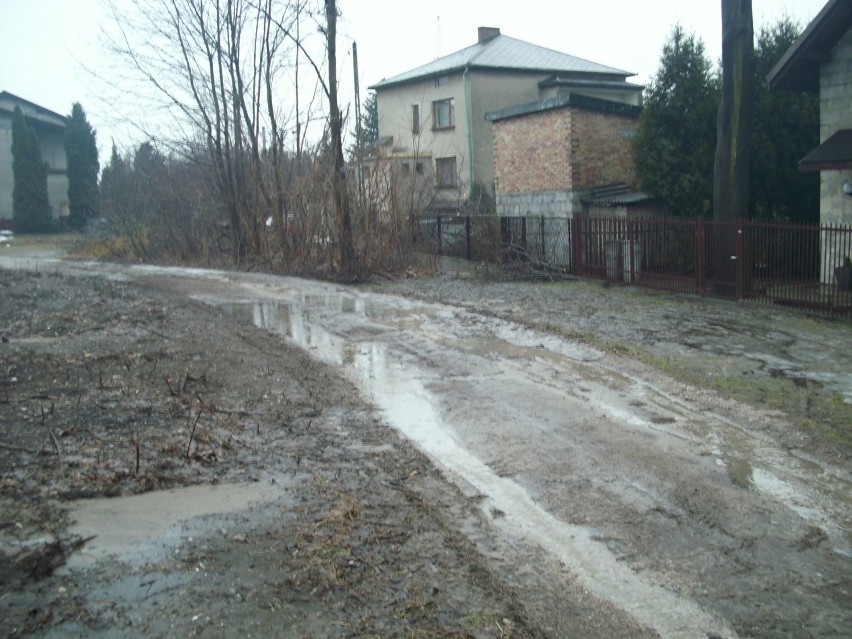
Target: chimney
{"type": "Point", "coordinates": [487, 33]}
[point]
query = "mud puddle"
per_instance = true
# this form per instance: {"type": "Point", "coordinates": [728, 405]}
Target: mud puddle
{"type": "Point", "coordinates": [138, 529]}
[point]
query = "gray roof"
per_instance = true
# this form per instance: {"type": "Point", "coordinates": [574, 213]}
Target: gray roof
{"type": "Point", "coordinates": [505, 53]}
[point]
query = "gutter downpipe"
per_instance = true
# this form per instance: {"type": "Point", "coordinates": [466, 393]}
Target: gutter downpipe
{"type": "Point", "coordinates": [469, 119]}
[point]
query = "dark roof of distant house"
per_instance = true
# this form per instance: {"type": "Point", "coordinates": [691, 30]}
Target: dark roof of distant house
{"type": "Point", "coordinates": [561, 101]}
{"type": "Point", "coordinates": [32, 109]}
{"type": "Point", "coordinates": [798, 69]}
{"type": "Point", "coordinates": [615, 194]}
{"type": "Point", "coordinates": [584, 83]}
{"type": "Point", "coordinates": [832, 155]}
{"type": "Point", "coordinates": [501, 52]}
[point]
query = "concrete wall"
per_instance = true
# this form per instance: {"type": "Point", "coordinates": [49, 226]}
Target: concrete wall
{"type": "Point", "coordinates": [545, 161]}
{"type": "Point", "coordinates": [835, 114]}
{"type": "Point", "coordinates": [835, 108]}
{"type": "Point", "coordinates": [6, 177]}
{"type": "Point", "coordinates": [395, 113]}
{"type": "Point", "coordinates": [491, 91]}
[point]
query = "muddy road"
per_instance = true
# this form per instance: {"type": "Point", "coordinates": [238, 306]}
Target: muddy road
{"type": "Point", "coordinates": [601, 496]}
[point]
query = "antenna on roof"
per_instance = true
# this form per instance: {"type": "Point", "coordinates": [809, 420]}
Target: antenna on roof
{"type": "Point", "coordinates": [438, 39]}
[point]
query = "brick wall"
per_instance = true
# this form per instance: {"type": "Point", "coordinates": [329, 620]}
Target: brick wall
{"type": "Point", "coordinates": [601, 148]}
{"type": "Point", "coordinates": [560, 153]}
{"type": "Point", "coordinates": [531, 153]}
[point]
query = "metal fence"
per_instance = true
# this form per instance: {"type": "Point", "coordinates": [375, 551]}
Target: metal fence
{"type": "Point", "coordinates": [794, 265]}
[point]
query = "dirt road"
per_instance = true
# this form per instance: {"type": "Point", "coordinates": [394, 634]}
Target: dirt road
{"type": "Point", "coordinates": [595, 495]}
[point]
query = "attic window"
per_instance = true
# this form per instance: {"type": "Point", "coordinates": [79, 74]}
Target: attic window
{"type": "Point", "coordinates": [444, 114]}
{"type": "Point", "coordinates": [441, 81]}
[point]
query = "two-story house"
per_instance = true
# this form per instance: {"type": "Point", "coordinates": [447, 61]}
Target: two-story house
{"type": "Point", "coordinates": [50, 128]}
{"type": "Point", "coordinates": [432, 118]}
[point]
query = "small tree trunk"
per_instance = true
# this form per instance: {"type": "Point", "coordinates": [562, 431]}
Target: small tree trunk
{"type": "Point", "coordinates": [346, 251]}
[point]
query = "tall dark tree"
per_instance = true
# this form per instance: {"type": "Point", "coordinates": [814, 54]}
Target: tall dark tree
{"type": "Point", "coordinates": [733, 136]}
{"type": "Point", "coordinates": [30, 203]}
{"type": "Point", "coordinates": [676, 137]}
{"type": "Point", "coordinates": [81, 149]}
{"type": "Point", "coordinates": [786, 127]}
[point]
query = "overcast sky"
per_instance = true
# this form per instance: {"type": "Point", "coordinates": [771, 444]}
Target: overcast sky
{"type": "Point", "coordinates": [46, 45]}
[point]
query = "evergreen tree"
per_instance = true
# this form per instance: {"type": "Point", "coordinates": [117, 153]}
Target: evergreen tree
{"type": "Point", "coordinates": [370, 121]}
{"type": "Point", "coordinates": [31, 206]}
{"type": "Point", "coordinates": [786, 128]}
{"type": "Point", "coordinates": [675, 143]}
{"type": "Point", "coordinates": [82, 152]}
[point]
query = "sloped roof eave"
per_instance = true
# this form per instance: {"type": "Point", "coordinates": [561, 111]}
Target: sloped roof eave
{"type": "Point", "coordinates": [384, 84]}
{"type": "Point", "coordinates": [835, 154]}
{"type": "Point", "coordinates": [503, 53]}
{"type": "Point", "coordinates": [798, 68]}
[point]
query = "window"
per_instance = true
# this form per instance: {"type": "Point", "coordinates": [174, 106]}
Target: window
{"type": "Point", "coordinates": [441, 81]}
{"type": "Point", "coordinates": [418, 168]}
{"type": "Point", "coordinates": [405, 169]}
{"type": "Point", "coordinates": [444, 114]}
{"type": "Point", "coordinates": [415, 118]}
{"type": "Point", "coordinates": [446, 172]}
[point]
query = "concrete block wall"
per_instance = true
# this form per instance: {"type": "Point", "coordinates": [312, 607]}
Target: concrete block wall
{"type": "Point", "coordinates": [552, 203]}
{"type": "Point", "coordinates": [835, 113]}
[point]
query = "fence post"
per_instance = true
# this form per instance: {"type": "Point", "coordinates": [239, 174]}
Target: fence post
{"type": "Point", "coordinates": [700, 283]}
{"type": "Point", "coordinates": [440, 248]}
{"type": "Point", "coordinates": [740, 258]}
{"type": "Point", "coordinates": [575, 244]}
{"type": "Point", "coordinates": [631, 253]}
{"type": "Point", "coordinates": [467, 235]}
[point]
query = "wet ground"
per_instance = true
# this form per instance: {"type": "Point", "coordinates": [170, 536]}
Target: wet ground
{"type": "Point", "coordinates": [607, 497]}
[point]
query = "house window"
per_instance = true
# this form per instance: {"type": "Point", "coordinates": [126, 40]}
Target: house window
{"type": "Point", "coordinates": [405, 169]}
{"type": "Point", "coordinates": [444, 114]}
{"type": "Point", "coordinates": [445, 169]}
{"type": "Point", "coordinates": [418, 168]}
{"type": "Point", "coordinates": [415, 119]}
{"type": "Point", "coordinates": [441, 81]}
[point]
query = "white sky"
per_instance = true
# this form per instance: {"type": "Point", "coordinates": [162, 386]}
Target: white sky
{"type": "Point", "coordinates": [46, 45]}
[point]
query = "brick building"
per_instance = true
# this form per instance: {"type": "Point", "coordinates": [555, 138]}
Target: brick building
{"type": "Point", "coordinates": [549, 155]}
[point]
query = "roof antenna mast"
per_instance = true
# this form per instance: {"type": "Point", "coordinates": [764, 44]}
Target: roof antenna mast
{"type": "Point", "coordinates": [438, 38]}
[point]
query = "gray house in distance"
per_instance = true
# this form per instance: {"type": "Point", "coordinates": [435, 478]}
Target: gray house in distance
{"type": "Point", "coordinates": [50, 128]}
{"type": "Point", "coordinates": [432, 118]}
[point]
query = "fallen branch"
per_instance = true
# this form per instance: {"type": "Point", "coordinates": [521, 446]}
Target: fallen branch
{"type": "Point", "coordinates": [20, 449]}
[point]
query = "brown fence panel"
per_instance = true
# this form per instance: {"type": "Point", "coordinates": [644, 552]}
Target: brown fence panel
{"type": "Point", "coordinates": [793, 265]}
